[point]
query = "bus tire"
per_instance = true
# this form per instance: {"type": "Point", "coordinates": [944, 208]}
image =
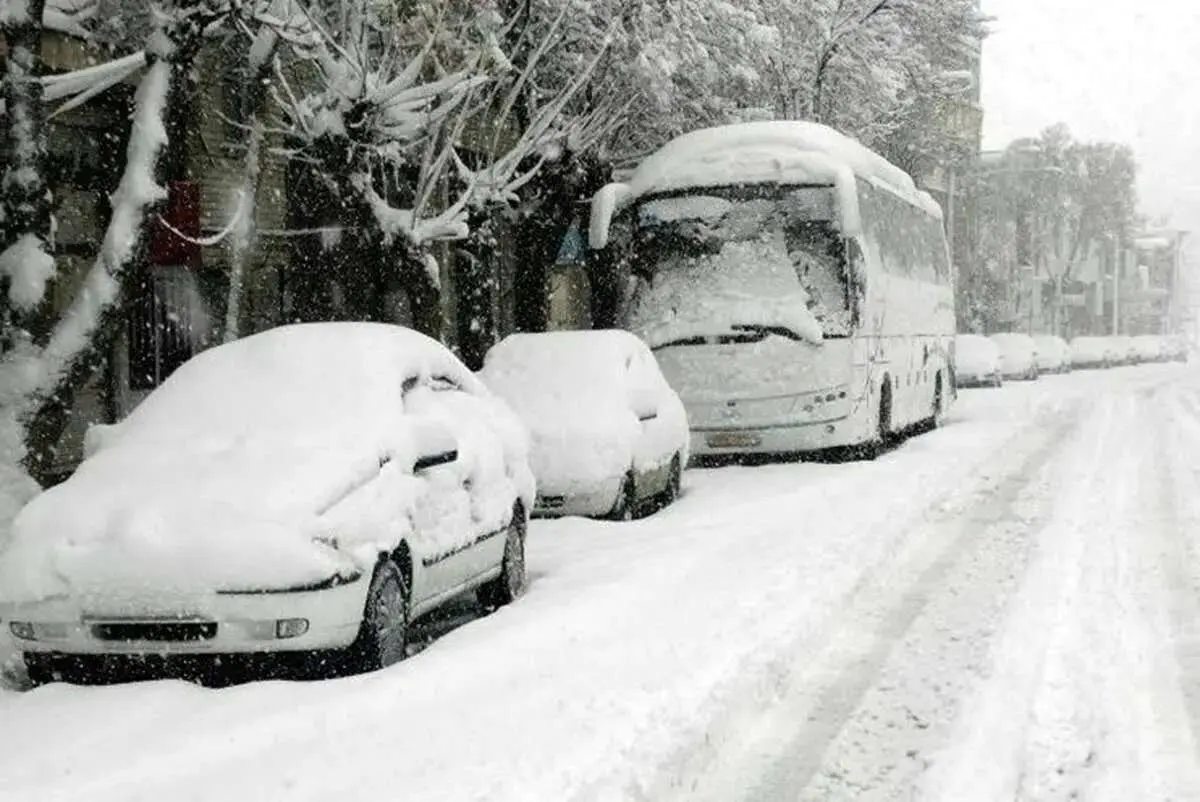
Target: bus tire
{"type": "Point", "coordinates": [884, 433]}
{"type": "Point", "coordinates": [881, 437]}
{"type": "Point", "coordinates": [937, 418]}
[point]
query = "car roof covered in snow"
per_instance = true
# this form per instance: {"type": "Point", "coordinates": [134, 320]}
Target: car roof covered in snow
{"type": "Point", "coordinates": [303, 377]}
{"type": "Point", "coordinates": [586, 362]}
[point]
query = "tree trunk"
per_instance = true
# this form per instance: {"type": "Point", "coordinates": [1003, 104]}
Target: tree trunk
{"type": "Point", "coordinates": [25, 205]}
{"type": "Point", "coordinates": [560, 188]}
{"type": "Point", "coordinates": [243, 235]}
{"type": "Point", "coordinates": [81, 339]}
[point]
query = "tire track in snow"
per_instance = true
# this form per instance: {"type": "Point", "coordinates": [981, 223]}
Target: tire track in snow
{"type": "Point", "coordinates": [1181, 483]}
{"type": "Point", "coordinates": [786, 748]}
{"type": "Point", "coordinates": [1085, 701]}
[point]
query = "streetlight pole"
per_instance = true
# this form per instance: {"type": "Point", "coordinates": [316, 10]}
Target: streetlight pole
{"type": "Point", "coordinates": [1118, 270]}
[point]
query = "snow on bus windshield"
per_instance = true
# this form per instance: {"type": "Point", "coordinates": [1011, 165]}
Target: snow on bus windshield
{"type": "Point", "coordinates": [758, 258]}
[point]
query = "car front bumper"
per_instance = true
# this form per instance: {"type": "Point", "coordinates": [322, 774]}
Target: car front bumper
{"type": "Point", "coordinates": [241, 623]}
{"type": "Point", "coordinates": [591, 500]}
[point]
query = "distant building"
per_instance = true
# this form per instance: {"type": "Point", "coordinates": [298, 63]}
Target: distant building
{"type": "Point", "coordinates": [1150, 297]}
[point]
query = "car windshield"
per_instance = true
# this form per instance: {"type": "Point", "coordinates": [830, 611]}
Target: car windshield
{"type": "Point", "coordinates": [754, 261]}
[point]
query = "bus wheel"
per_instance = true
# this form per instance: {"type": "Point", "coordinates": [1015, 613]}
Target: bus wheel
{"type": "Point", "coordinates": [883, 427]}
{"type": "Point", "coordinates": [939, 405]}
{"type": "Point", "coordinates": [885, 413]}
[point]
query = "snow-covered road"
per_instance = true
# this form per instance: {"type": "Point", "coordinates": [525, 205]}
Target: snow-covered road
{"type": "Point", "coordinates": [1002, 609]}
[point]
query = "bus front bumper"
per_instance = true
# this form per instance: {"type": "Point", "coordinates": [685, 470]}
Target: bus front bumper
{"type": "Point", "coordinates": [790, 439]}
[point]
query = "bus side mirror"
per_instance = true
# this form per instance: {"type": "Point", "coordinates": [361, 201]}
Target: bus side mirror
{"type": "Point", "coordinates": [606, 203]}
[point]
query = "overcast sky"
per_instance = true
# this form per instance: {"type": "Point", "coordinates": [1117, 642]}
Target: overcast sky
{"type": "Point", "coordinates": [1125, 70]}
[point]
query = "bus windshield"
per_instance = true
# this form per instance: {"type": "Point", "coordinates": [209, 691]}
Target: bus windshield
{"type": "Point", "coordinates": [739, 265]}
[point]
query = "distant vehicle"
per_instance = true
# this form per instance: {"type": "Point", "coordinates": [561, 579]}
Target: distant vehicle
{"type": "Point", "coordinates": [1124, 350]}
{"type": "Point", "coordinates": [1176, 348]}
{"type": "Point", "coordinates": [1053, 354]}
{"type": "Point", "coordinates": [1092, 352]}
{"type": "Point", "coordinates": [309, 489]}
{"type": "Point", "coordinates": [1018, 355]}
{"type": "Point", "coordinates": [1150, 348]}
{"type": "Point", "coordinates": [976, 361]}
{"type": "Point", "coordinates": [609, 435]}
{"type": "Point", "coordinates": [794, 285]}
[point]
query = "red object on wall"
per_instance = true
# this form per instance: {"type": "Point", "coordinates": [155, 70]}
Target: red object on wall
{"type": "Point", "coordinates": [182, 212]}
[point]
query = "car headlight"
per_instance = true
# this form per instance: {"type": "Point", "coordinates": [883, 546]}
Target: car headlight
{"type": "Point", "coordinates": [22, 630]}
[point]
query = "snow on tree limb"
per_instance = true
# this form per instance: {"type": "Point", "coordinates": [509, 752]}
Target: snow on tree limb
{"type": "Point", "coordinates": [28, 268]}
{"type": "Point", "coordinates": [137, 192]}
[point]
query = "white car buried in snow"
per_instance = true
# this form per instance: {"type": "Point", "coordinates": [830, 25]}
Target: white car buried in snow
{"type": "Point", "coordinates": [1018, 355]}
{"type": "Point", "coordinates": [309, 489]}
{"type": "Point", "coordinates": [1053, 354]}
{"type": "Point", "coordinates": [1092, 352]}
{"type": "Point", "coordinates": [609, 435]}
{"type": "Point", "coordinates": [976, 361]}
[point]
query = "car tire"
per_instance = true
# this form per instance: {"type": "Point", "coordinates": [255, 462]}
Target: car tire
{"type": "Point", "coordinates": [625, 508]}
{"type": "Point", "coordinates": [674, 486]}
{"type": "Point", "coordinates": [42, 670]}
{"type": "Point", "coordinates": [505, 588]}
{"type": "Point", "coordinates": [383, 635]}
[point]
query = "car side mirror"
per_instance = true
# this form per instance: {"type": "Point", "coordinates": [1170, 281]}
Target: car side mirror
{"type": "Point", "coordinates": [645, 405]}
{"type": "Point", "coordinates": [433, 444]}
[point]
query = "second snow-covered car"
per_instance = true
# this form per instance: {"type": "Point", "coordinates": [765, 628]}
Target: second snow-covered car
{"type": "Point", "coordinates": [1092, 352]}
{"type": "Point", "coordinates": [609, 435]}
{"type": "Point", "coordinates": [1018, 355]}
{"type": "Point", "coordinates": [1053, 354]}
{"type": "Point", "coordinates": [976, 361]}
{"type": "Point", "coordinates": [309, 489]}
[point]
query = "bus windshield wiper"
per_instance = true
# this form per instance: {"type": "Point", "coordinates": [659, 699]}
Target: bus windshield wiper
{"type": "Point", "coordinates": [777, 330]}
{"type": "Point", "coordinates": [681, 341]}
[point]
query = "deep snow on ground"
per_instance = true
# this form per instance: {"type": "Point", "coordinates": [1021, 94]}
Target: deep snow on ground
{"type": "Point", "coordinates": [1001, 609]}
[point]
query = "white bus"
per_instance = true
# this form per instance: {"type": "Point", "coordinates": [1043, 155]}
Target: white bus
{"type": "Point", "coordinates": [795, 286]}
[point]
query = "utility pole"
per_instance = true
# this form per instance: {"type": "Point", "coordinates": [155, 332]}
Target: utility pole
{"type": "Point", "coordinates": [1118, 272]}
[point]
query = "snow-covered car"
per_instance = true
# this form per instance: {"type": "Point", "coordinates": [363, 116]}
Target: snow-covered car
{"type": "Point", "coordinates": [609, 436]}
{"type": "Point", "coordinates": [1092, 352]}
{"type": "Point", "coordinates": [1018, 355]}
{"type": "Point", "coordinates": [1053, 354]}
{"type": "Point", "coordinates": [976, 361]}
{"type": "Point", "coordinates": [309, 489]}
{"type": "Point", "coordinates": [1124, 350]}
{"type": "Point", "coordinates": [1176, 348]}
{"type": "Point", "coordinates": [1149, 348]}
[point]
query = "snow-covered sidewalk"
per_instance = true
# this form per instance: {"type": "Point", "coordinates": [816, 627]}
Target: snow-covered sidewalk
{"type": "Point", "coordinates": [642, 656]}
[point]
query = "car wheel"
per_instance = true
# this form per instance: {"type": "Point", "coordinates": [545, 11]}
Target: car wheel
{"type": "Point", "coordinates": [674, 483]}
{"type": "Point", "coordinates": [383, 635]}
{"type": "Point", "coordinates": [41, 669]}
{"type": "Point", "coordinates": [511, 583]}
{"type": "Point", "coordinates": [626, 506]}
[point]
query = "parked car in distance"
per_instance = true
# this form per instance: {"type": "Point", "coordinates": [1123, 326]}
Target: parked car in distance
{"type": "Point", "coordinates": [1018, 355]}
{"type": "Point", "coordinates": [312, 488]}
{"type": "Point", "coordinates": [1053, 354]}
{"type": "Point", "coordinates": [1092, 352]}
{"type": "Point", "coordinates": [1149, 348]}
{"type": "Point", "coordinates": [609, 436]}
{"type": "Point", "coordinates": [1176, 348]}
{"type": "Point", "coordinates": [1124, 350]}
{"type": "Point", "coordinates": [976, 361]}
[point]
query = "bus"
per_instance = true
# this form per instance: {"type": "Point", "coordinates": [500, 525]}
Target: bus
{"type": "Point", "coordinates": [795, 286]}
